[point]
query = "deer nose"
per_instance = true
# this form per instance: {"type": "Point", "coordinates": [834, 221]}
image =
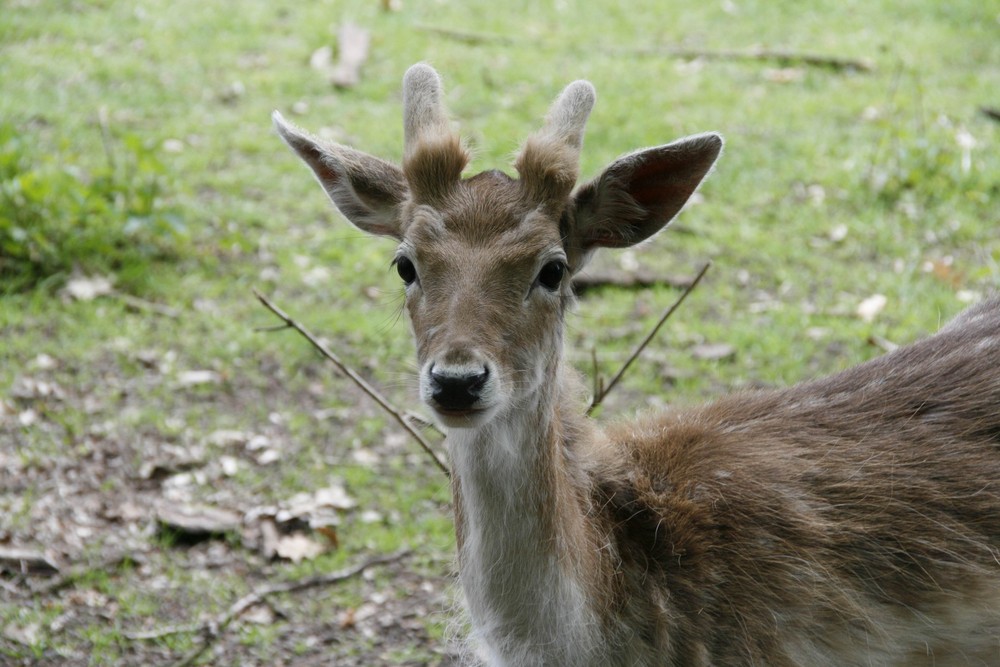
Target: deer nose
{"type": "Point", "coordinates": [457, 389]}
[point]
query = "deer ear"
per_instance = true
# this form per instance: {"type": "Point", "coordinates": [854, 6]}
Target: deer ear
{"type": "Point", "coordinates": [639, 194]}
{"type": "Point", "coordinates": [365, 189]}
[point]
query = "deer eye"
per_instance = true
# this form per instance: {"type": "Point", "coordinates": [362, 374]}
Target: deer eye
{"type": "Point", "coordinates": [405, 269]}
{"type": "Point", "coordinates": [551, 275]}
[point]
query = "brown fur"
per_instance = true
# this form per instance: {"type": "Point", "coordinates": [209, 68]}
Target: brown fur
{"type": "Point", "coordinates": [434, 168]}
{"type": "Point", "coordinates": [852, 520]}
{"type": "Point", "coordinates": [838, 503]}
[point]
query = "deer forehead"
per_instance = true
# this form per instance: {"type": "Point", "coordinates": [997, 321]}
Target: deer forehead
{"type": "Point", "coordinates": [486, 223]}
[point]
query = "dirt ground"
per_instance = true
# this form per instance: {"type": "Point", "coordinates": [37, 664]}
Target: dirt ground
{"type": "Point", "coordinates": [89, 549]}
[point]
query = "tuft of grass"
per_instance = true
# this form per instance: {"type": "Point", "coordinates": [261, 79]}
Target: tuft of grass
{"type": "Point", "coordinates": [58, 216]}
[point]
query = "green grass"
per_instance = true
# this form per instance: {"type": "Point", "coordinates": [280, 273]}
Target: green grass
{"type": "Point", "coordinates": [835, 185]}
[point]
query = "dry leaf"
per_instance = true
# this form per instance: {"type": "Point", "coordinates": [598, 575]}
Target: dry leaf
{"type": "Point", "coordinates": [330, 533]}
{"type": "Point", "coordinates": [298, 547]}
{"type": "Point", "coordinates": [322, 58]}
{"type": "Point", "coordinates": [353, 52]}
{"type": "Point", "coordinates": [197, 521]}
{"type": "Point", "coordinates": [259, 614]}
{"type": "Point", "coordinates": [18, 561]}
{"type": "Point", "coordinates": [784, 74]}
{"type": "Point", "coordinates": [28, 635]}
{"type": "Point", "coordinates": [869, 309]}
{"type": "Point", "coordinates": [84, 288]}
{"type": "Point", "coordinates": [713, 351]}
{"type": "Point", "coordinates": [269, 537]}
{"type": "Point", "coordinates": [197, 377]}
{"type": "Point", "coordinates": [29, 389]}
{"type": "Point", "coordinates": [228, 438]}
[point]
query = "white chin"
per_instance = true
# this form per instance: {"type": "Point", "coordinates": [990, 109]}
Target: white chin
{"type": "Point", "coordinates": [462, 419]}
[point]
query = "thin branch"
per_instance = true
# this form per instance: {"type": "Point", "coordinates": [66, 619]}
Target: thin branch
{"type": "Point", "coordinates": [423, 422]}
{"type": "Point", "coordinates": [106, 142]}
{"type": "Point", "coordinates": [598, 398]}
{"type": "Point", "coordinates": [467, 37]}
{"type": "Point", "coordinates": [779, 56]}
{"type": "Point", "coordinates": [213, 629]}
{"type": "Point", "coordinates": [135, 303]}
{"type": "Point", "coordinates": [639, 279]}
{"type": "Point", "coordinates": [104, 565]}
{"type": "Point", "coordinates": [373, 393]}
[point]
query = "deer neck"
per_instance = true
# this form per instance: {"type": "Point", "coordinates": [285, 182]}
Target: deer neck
{"type": "Point", "coordinates": [520, 522]}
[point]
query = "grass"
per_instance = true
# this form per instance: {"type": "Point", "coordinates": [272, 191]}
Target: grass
{"type": "Point", "coordinates": [835, 186]}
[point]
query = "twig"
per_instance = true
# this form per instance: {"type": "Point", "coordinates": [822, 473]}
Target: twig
{"type": "Point", "coordinates": [70, 578]}
{"type": "Point", "coordinates": [780, 56]}
{"type": "Point", "coordinates": [422, 422]}
{"type": "Point", "coordinates": [638, 279]}
{"type": "Point", "coordinates": [470, 37]}
{"type": "Point", "coordinates": [109, 153]}
{"type": "Point", "coordinates": [135, 303]}
{"type": "Point", "coordinates": [213, 629]}
{"type": "Point", "coordinates": [638, 350]}
{"type": "Point", "coordinates": [373, 393]}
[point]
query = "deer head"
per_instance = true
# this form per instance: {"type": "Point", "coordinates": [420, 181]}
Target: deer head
{"type": "Point", "coordinates": [487, 260]}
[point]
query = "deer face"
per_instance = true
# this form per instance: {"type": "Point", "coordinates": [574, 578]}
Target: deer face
{"type": "Point", "coordinates": [487, 281]}
{"type": "Point", "coordinates": [486, 261]}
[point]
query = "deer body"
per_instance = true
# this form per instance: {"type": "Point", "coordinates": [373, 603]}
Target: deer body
{"type": "Point", "coordinates": [853, 520]}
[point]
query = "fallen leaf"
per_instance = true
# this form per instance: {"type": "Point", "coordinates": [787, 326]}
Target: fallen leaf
{"type": "Point", "coordinates": [28, 635]}
{"type": "Point", "coordinates": [322, 58]}
{"type": "Point", "coordinates": [269, 536]}
{"type": "Point", "coordinates": [348, 619]}
{"type": "Point", "coordinates": [268, 456]}
{"type": "Point", "coordinates": [298, 547]}
{"type": "Point", "coordinates": [330, 533]}
{"type": "Point", "coordinates": [713, 351]}
{"type": "Point", "coordinates": [784, 74]}
{"type": "Point", "coordinates": [28, 388]}
{"type": "Point", "coordinates": [968, 296]}
{"type": "Point", "coordinates": [26, 561]}
{"type": "Point", "coordinates": [88, 288]}
{"type": "Point", "coordinates": [353, 52]}
{"type": "Point", "coordinates": [197, 377]}
{"type": "Point", "coordinates": [228, 438]}
{"type": "Point", "coordinates": [869, 309]}
{"type": "Point", "coordinates": [259, 614]}
{"type": "Point", "coordinates": [44, 362]}
{"type": "Point", "coordinates": [197, 521]}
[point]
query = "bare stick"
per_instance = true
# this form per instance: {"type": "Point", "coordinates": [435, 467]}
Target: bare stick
{"type": "Point", "coordinates": [109, 152]}
{"type": "Point", "coordinates": [135, 303]}
{"type": "Point", "coordinates": [779, 56]}
{"type": "Point", "coordinates": [373, 393]}
{"type": "Point", "coordinates": [213, 629]}
{"type": "Point", "coordinates": [470, 37]}
{"type": "Point", "coordinates": [642, 346]}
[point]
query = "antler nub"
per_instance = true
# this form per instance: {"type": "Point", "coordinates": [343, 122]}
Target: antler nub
{"type": "Point", "coordinates": [424, 117]}
{"type": "Point", "coordinates": [549, 161]}
{"type": "Point", "coordinates": [433, 156]}
{"type": "Point", "coordinates": [568, 115]}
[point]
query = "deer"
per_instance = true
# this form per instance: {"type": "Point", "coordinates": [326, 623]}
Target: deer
{"type": "Point", "coordinates": [847, 520]}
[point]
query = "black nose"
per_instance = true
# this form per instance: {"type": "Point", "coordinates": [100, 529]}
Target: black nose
{"type": "Point", "coordinates": [457, 391]}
